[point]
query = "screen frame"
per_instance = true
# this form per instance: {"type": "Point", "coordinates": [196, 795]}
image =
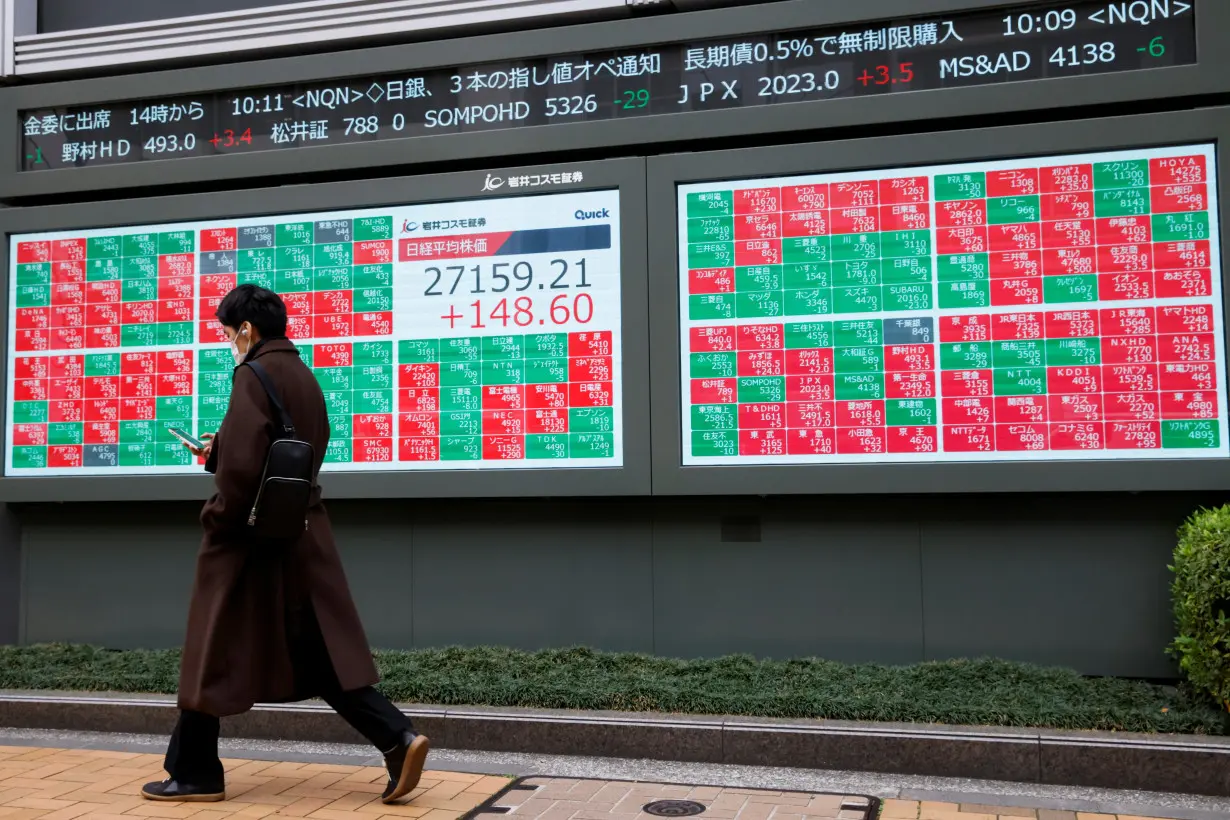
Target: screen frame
{"type": "Point", "coordinates": [1211, 125]}
{"type": "Point", "coordinates": [625, 175]}
{"type": "Point", "coordinates": [1211, 74]}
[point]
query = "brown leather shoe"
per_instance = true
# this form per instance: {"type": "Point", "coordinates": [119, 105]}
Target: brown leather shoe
{"type": "Point", "coordinates": [405, 765]}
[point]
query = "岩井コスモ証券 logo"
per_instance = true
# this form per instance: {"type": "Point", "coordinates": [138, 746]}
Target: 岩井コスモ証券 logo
{"type": "Point", "coordinates": [493, 183]}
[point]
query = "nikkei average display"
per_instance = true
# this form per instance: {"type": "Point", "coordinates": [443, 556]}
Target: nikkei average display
{"type": "Point", "coordinates": [460, 335]}
{"type": "Point", "coordinates": [1065, 307]}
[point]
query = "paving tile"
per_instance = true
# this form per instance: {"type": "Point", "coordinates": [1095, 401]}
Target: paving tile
{"type": "Point", "coordinates": [780, 799]}
{"type": "Point", "coordinates": [753, 811]}
{"type": "Point", "coordinates": [70, 813]}
{"type": "Point", "coordinates": [439, 815]}
{"type": "Point", "coordinates": [8, 795]}
{"type": "Point", "coordinates": [447, 789]}
{"type": "Point", "coordinates": [402, 811]}
{"type": "Point", "coordinates": [492, 782]}
{"type": "Point", "coordinates": [40, 803]}
{"type": "Point", "coordinates": [256, 812]}
{"type": "Point", "coordinates": [704, 793]}
{"type": "Point", "coordinates": [171, 811]}
{"type": "Point", "coordinates": [1000, 811]}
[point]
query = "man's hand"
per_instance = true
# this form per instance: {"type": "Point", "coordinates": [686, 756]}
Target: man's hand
{"type": "Point", "coordinates": [202, 452]}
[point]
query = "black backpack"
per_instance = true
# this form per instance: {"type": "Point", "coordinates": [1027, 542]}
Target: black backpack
{"type": "Point", "coordinates": [280, 510]}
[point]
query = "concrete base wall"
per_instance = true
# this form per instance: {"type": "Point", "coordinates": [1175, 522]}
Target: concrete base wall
{"type": "Point", "coordinates": [10, 577]}
{"type": "Point", "coordinates": [1075, 580]}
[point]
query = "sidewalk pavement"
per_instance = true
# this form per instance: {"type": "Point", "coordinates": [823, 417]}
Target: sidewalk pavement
{"type": "Point", "coordinates": [87, 784]}
{"type": "Point", "coordinates": [80, 784]}
{"type": "Point", "coordinates": [582, 799]}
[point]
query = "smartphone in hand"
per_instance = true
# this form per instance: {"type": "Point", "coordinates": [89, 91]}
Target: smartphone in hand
{"type": "Point", "coordinates": [187, 438]}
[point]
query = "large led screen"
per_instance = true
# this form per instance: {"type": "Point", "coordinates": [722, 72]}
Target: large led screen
{"type": "Point", "coordinates": [1050, 308]}
{"type": "Point", "coordinates": [456, 335]}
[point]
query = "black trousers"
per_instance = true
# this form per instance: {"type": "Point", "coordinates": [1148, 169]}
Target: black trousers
{"type": "Point", "coordinates": [192, 755]}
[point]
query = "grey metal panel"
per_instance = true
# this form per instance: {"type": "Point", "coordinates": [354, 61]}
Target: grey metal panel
{"type": "Point", "coordinates": [169, 37]}
{"type": "Point", "coordinates": [8, 33]}
{"type": "Point", "coordinates": [1111, 133]}
{"type": "Point", "coordinates": [71, 15]}
{"type": "Point", "coordinates": [1211, 75]}
{"type": "Point", "coordinates": [534, 575]}
{"type": "Point", "coordinates": [376, 543]}
{"type": "Point", "coordinates": [834, 580]}
{"type": "Point", "coordinates": [625, 174]}
{"type": "Point", "coordinates": [10, 576]}
{"type": "Point", "coordinates": [1080, 583]}
{"type": "Point", "coordinates": [118, 577]}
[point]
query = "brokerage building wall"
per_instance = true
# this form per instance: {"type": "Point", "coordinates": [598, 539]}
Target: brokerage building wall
{"type": "Point", "coordinates": [1019, 551]}
{"type": "Point", "coordinates": [1078, 581]}
{"type": "Point", "coordinates": [11, 594]}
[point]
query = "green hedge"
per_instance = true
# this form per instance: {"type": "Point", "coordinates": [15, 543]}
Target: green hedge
{"type": "Point", "coordinates": [1201, 593]}
{"type": "Point", "coordinates": [986, 692]}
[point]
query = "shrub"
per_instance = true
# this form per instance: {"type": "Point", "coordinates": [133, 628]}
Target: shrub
{"type": "Point", "coordinates": [1201, 590]}
{"type": "Point", "coordinates": [985, 691]}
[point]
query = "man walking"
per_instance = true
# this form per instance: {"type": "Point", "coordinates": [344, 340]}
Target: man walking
{"type": "Point", "coordinates": [271, 622]}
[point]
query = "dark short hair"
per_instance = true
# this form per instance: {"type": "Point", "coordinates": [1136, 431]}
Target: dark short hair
{"type": "Point", "coordinates": [259, 306]}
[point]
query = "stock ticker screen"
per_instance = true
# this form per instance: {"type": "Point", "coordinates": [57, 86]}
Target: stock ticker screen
{"type": "Point", "coordinates": [746, 72]}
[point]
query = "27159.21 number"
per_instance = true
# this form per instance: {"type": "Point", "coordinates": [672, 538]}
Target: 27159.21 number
{"type": "Point", "coordinates": [500, 276]}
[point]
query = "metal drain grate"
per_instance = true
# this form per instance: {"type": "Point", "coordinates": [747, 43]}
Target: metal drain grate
{"type": "Point", "coordinates": [673, 808]}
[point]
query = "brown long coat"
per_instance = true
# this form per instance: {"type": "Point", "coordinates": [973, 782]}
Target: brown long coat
{"type": "Point", "coordinates": [250, 601]}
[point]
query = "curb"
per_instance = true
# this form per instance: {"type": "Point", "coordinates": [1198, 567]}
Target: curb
{"type": "Point", "coordinates": [1169, 763]}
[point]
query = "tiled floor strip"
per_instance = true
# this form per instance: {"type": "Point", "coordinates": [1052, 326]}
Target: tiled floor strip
{"type": "Point", "coordinates": [562, 798]}
{"type": "Point", "coordinates": [86, 784]}
{"type": "Point", "coordinates": [916, 810]}
{"type": "Point", "coordinates": [66, 784]}
{"type": "Point", "coordinates": [579, 799]}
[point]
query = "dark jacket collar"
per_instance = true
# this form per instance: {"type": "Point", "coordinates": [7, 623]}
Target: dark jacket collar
{"type": "Point", "coordinates": [282, 345]}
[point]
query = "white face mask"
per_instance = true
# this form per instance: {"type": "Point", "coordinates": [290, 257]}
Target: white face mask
{"type": "Point", "coordinates": [239, 357]}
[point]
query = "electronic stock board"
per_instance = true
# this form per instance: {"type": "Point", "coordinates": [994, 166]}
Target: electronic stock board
{"type": "Point", "coordinates": [1056, 307]}
{"type": "Point", "coordinates": [471, 335]}
{"type": "Point", "coordinates": [623, 76]}
{"type": "Point", "coordinates": [1027, 309]}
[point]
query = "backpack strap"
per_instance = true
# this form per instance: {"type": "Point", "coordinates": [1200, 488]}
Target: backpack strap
{"type": "Point", "coordinates": [283, 417]}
